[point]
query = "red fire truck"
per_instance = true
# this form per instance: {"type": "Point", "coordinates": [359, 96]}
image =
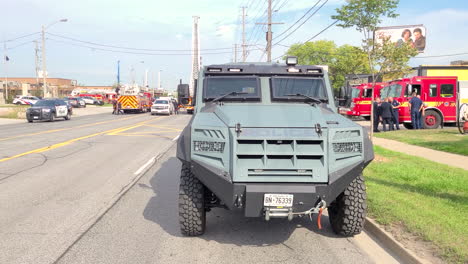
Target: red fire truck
{"type": "Point", "coordinates": [439, 95]}
{"type": "Point", "coordinates": [361, 97]}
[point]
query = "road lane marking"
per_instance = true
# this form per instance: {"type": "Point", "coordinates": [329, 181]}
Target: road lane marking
{"type": "Point", "coordinates": [145, 165]}
{"type": "Point", "coordinates": [65, 129]}
{"type": "Point", "coordinates": [68, 142]}
{"type": "Point", "coordinates": [176, 138]}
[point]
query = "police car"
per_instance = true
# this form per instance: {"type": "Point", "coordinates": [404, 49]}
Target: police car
{"type": "Point", "coordinates": [48, 110]}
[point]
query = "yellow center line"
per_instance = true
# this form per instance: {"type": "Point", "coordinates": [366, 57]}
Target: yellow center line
{"type": "Point", "coordinates": [68, 142]}
{"type": "Point", "coordinates": [65, 129]}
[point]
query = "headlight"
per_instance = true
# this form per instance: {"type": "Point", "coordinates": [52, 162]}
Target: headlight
{"type": "Point", "coordinates": [210, 146]}
{"type": "Point", "coordinates": [349, 147]}
{"type": "Point", "coordinates": [45, 110]}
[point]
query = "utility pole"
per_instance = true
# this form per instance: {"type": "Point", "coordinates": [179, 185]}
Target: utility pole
{"type": "Point", "coordinates": [244, 46]}
{"type": "Point", "coordinates": [195, 54]}
{"type": "Point", "coordinates": [44, 70]}
{"type": "Point", "coordinates": [118, 73]}
{"type": "Point", "coordinates": [159, 79]}
{"type": "Point", "coordinates": [36, 60]}
{"type": "Point", "coordinates": [146, 78]}
{"type": "Point", "coordinates": [235, 52]}
{"type": "Point", "coordinates": [269, 34]}
{"type": "Point", "coordinates": [5, 60]}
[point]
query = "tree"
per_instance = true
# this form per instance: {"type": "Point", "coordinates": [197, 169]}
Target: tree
{"type": "Point", "coordinates": [365, 16]}
{"type": "Point", "coordinates": [350, 60]}
{"type": "Point", "coordinates": [341, 60]}
{"type": "Point", "coordinates": [390, 60]}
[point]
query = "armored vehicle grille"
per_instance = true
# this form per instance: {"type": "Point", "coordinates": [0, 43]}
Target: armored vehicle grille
{"type": "Point", "coordinates": [279, 160]}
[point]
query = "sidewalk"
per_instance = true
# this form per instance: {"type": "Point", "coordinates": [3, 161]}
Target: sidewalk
{"type": "Point", "coordinates": [450, 159]}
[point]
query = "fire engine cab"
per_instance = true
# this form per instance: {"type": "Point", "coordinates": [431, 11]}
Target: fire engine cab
{"type": "Point", "coordinates": [361, 97]}
{"type": "Point", "coordinates": [439, 94]}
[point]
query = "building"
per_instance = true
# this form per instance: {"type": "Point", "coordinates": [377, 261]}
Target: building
{"type": "Point", "coordinates": [33, 86]}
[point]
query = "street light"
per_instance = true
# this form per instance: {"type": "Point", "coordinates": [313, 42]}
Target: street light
{"type": "Point", "coordinates": [44, 68]}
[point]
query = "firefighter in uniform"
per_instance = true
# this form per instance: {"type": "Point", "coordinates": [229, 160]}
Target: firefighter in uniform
{"type": "Point", "coordinates": [396, 115]}
{"type": "Point", "coordinates": [376, 114]}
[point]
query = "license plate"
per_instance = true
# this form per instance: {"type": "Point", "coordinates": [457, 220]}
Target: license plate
{"type": "Point", "coordinates": [278, 200]}
{"type": "Point", "coordinates": [35, 117]}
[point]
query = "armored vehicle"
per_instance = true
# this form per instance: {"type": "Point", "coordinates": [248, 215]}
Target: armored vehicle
{"type": "Point", "coordinates": [266, 139]}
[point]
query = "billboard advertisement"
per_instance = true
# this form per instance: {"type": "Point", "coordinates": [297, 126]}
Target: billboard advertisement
{"type": "Point", "coordinates": [415, 35]}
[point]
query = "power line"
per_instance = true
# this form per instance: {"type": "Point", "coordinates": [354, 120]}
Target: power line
{"type": "Point", "coordinates": [306, 13]}
{"type": "Point", "coordinates": [301, 23]}
{"type": "Point", "coordinates": [21, 44]}
{"type": "Point", "coordinates": [127, 48]}
{"type": "Point", "coordinates": [316, 35]}
{"type": "Point", "coordinates": [131, 52]}
{"type": "Point", "coordinates": [20, 37]}
{"type": "Point", "coordinates": [284, 3]}
{"type": "Point", "coordinates": [438, 56]}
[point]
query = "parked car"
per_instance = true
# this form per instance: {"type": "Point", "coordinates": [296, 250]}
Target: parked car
{"type": "Point", "coordinates": [75, 102]}
{"type": "Point", "coordinates": [69, 105]}
{"type": "Point", "coordinates": [48, 109]}
{"type": "Point", "coordinates": [92, 100]}
{"type": "Point", "coordinates": [25, 100]}
{"type": "Point", "coordinates": [81, 101]}
{"type": "Point", "coordinates": [162, 106]}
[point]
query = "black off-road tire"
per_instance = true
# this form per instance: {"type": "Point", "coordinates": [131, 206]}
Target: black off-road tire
{"type": "Point", "coordinates": [347, 213]}
{"type": "Point", "coordinates": [192, 212]}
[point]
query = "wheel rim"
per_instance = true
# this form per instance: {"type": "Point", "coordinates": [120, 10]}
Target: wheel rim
{"type": "Point", "coordinates": [430, 120]}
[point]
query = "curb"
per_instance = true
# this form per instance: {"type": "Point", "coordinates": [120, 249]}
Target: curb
{"type": "Point", "coordinates": [395, 247]}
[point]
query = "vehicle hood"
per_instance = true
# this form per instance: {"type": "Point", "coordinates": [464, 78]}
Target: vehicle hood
{"type": "Point", "coordinates": [40, 107]}
{"type": "Point", "coordinates": [275, 115]}
{"type": "Point", "coordinates": [160, 104]}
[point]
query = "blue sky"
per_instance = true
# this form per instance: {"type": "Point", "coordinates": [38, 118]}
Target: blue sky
{"type": "Point", "coordinates": [166, 25]}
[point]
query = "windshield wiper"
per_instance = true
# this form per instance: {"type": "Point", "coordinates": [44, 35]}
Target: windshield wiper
{"type": "Point", "coordinates": [315, 100]}
{"type": "Point", "coordinates": [225, 95]}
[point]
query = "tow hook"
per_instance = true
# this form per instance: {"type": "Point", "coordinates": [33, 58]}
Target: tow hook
{"type": "Point", "coordinates": [238, 201]}
{"type": "Point", "coordinates": [271, 212]}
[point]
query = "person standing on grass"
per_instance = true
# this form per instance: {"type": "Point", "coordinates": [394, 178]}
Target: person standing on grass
{"type": "Point", "coordinates": [416, 106]}
{"type": "Point", "coordinates": [422, 113]}
{"type": "Point", "coordinates": [376, 114]}
{"type": "Point", "coordinates": [387, 114]}
{"type": "Point", "coordinates": [396, 116]}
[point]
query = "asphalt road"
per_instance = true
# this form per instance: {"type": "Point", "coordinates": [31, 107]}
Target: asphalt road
{"type": "Point", "coordinates": [57, 178]}
{"type": "Point", "coordinates": [64, 199]}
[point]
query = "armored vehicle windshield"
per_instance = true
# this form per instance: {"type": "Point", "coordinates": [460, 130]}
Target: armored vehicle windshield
{"type": "Point", "coordinates": [232, 88]}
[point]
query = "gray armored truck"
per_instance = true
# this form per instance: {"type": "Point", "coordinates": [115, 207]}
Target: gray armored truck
{"type": "Point", "coordinates": [266, 139]}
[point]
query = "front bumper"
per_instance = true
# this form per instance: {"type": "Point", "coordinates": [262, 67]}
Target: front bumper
{"type": "Point", "coordinates": [249, 196]}
{"type": "Point", "coordinates": [38, 115]}
{"type": "Point", "coordinates": [160, 111]}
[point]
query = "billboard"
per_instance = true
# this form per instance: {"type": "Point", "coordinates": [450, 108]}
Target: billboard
{"type": "Point", "coordinates": [415, 35]}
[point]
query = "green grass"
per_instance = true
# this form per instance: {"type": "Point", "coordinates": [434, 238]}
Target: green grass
{"type": "Point", "coordinates": [448, 140]}
{"type": "Point", "coordinates": [426, 198]}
